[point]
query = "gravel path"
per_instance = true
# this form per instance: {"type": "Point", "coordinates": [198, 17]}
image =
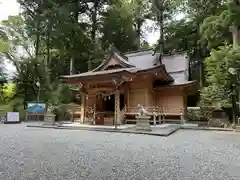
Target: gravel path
{"type": "Point", "coordinates": [50, 154]}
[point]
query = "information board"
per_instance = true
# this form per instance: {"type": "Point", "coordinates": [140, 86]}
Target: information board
{"type": "Point", "coordinates": [13, 117]}
{"type": "Point", "coordinates": [36, 108]}
{"type": "Point", "coordinates": [35, 111]}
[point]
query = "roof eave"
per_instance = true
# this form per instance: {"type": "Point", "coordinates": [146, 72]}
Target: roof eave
{"type": "Point", "coordinates": [183, 85]}
{"type": "Point", "coordinates": [96, 76]}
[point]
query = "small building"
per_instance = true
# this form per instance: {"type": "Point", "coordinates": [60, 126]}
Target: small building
{"type": "Point", "coordinates": [121, 82]}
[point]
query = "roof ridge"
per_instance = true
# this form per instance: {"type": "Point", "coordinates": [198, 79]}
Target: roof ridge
{"type": "Point", "coordinates": [113, 49]}
{"type": "Point", "coordinates": [179, 71]}
{"type": "Point", "coordinates": [157, 53]}
{"type": "Point", "coordinates": [136, 51]}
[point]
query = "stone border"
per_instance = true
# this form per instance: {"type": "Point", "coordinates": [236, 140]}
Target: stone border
{"type": "Point", "coordinates": [134, 132]}
{"type": "Point", "coordinates": [207, 129]}
{"type": "Point", "coordinates": [107, 130]}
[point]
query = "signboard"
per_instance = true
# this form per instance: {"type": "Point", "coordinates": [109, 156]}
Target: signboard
{"type": "Point", "coordinates": [74, 87]}
{"type": "Point", "coordinates": [36, 108]}
{"type": "Point", "coordinates": [13, 117]}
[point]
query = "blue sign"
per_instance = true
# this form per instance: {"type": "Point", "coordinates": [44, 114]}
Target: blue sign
{"type": "Point", "coordinates": [36, 108]}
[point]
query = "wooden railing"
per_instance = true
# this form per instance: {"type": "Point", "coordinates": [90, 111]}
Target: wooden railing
{"type": "Point", "coordinates": [158, 113]}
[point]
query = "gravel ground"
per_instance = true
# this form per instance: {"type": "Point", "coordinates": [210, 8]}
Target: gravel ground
{"type": "Point", "coordinates": [50, 154]}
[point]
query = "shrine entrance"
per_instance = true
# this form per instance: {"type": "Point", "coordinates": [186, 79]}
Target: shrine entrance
{"type": "Point", "coordinates": [105, 109]}
{"type": "Point", "coordinates": [109, 103]}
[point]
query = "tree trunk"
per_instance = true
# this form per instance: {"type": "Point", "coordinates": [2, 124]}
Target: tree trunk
{"type": "Point", "coordinates": [201, 73]}
{"type": "Point", "coordinates": [47, 60]}
{"type": "Point", "coordinates": [93, 31]}
{"type": "Point", "coordinates": [37, 38]}
{"type": "Point", "coordinates": [236, 36]}
{"type": "Point", "coordinates": [161, 31]}
{"type": "Point", "coordinates": [161, 40]}
{"type": "Point", "coordinates": [138, 24]}
{"type": "Point", "coordinates": [72, 60]}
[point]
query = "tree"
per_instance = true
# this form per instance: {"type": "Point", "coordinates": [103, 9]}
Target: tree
{"type": "Point", "coordinates": [184, 34]}
{"type": "Point", "coordinates": [117, 27]}
{"type": "Point", "coordinates": [53, 24]}
{"type": "Point", "coordinates": [219, 80]}
{"type": "Point", "coordinates": [162, 12]}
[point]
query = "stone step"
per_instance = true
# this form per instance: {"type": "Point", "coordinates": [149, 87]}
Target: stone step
{"type": "Point", "coordinates": [189, 125]}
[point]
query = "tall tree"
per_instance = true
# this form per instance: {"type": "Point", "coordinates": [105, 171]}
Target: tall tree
{"type": "Point", "coordinates": [117, 26]}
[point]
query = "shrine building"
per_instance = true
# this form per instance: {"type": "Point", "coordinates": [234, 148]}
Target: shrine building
{"type": "Point", "coordinates": [114, 89]}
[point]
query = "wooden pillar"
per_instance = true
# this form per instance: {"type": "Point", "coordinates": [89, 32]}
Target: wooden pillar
{"type": "Point", "coordinates": [154, 97]}
{"type": "Point", "coordinates": [117, 108]}
{"type": "Point", "coordinates": [82, 108]}
{"type": "Point", "coordinates": [126, 94]}
{"type": "Point", "coordinates": [184, 110]}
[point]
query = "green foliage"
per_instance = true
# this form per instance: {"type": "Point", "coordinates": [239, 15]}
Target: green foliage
{"type": "Point", "coordinates": [53, 32]}
{"type": "Point", "coordinates": [202, 113]}
{"type": "Point", "coordinates": [4, 43]}
{"type": "Point", "coordinates": [117, 26]}
{"type": "Point", "coordinates": [16, 105]}
{"type": "Point", "coordinates": [62, 113]}
{"type": "Point", "coordinates": [8, 91]}
{"type": "Point", "coordinates": [219, 80]}
{"type": "Point", "coordinates": [59, 94]}
{"type": "Point", "coordinates": [215, 31]}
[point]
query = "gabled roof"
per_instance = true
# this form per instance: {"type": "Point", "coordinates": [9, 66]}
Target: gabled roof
{"type": "Point", "coordinates": [175, 66]}
{"type": "Point", "coordinates": [88, 75]}
{"type": "Point", "coordinates": [117, 58]}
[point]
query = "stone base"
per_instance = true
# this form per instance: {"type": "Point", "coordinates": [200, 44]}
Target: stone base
{"type": "Point", "coordinates": [143, 123]}
{"type": "Point", "coordinates": [49, 119]}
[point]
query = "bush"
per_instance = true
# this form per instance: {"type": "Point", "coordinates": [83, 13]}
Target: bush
{"type": "Point", "coordinates": [199, 113]}
{"type": "Point", "coordinates": [62, 113]}
{"type": "Point", "coordinates": [193, 113]}
{"type": "Point", "coordinates": [223, 123]}
{"type": "Point", "coordinates": [17, 106]}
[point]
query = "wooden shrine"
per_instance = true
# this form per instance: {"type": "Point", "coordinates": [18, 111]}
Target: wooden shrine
{"type": "Point", "coordinates": [111, 93]}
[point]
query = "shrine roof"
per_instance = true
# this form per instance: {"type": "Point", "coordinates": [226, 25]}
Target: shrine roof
{"type": "Point", "coordinates": [95, 73]}
{"type": "Point", "coordinates": [175, 65]}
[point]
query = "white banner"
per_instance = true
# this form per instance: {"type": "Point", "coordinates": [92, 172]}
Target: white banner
{"type": "Point", "coordinates": [13, 117]}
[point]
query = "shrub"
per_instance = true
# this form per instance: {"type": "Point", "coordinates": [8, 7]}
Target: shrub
{"type": "Point", "coordinates": [199, 113]}
{"type": "Point", "coordinates": [17, 106]}
{"type": "Point", "coordinates": [62, 113]}
{"type": "Point", "coordinates": [223, 123]}
{"type": "Point", "coordinates": [193, 113]}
